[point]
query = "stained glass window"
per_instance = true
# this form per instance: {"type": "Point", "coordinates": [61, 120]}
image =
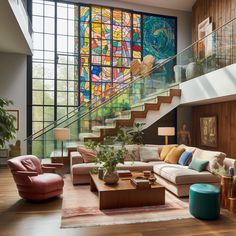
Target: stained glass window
{"type": "Point", "coordinates": [109, 48]}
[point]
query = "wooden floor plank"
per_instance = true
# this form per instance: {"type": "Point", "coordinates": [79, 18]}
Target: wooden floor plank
{"type": "Point", "coordinates": [22, 218]}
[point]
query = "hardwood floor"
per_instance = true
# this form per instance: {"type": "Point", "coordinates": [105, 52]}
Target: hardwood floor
{"type": "Point", "coordinates": [22, 218]}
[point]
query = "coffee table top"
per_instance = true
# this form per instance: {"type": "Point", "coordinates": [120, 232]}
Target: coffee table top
{"type": "Point", "coordinates": [123, 184]}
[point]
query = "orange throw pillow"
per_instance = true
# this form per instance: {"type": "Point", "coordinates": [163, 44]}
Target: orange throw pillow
{"type": "Point", "coordinates": [88, 155]}
{"type": "Point", "coordinates": [174, 155]}
{"type": "Point", "coordinates": [165, 150]}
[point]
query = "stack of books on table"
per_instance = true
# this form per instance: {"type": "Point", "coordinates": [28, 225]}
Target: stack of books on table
{"type": "Point", "coordinates": [140, 183]}
{"type": "Point", "coordinates": [124, 173]}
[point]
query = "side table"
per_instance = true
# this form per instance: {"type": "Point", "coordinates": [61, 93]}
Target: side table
{"type": "Point", "coordinates": [228, 197]}
{"type": "Point", "coordinates": [57, 157]}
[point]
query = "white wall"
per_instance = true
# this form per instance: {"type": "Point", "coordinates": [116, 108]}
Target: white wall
{"type": "Point", "coordinates": [217, 86]}
{"type": "Point", "coordinates": [184, 24]}
{"type": "Point", "coordinates": [13, 87]}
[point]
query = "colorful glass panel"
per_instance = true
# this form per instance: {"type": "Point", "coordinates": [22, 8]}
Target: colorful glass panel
{"type": "Point", "coordinates": [117, 61]}
{"type": "Point", "coordinates": [106, 15]}
{"type": "Point", "coordinates": [84, 14]}
{"type": "Point", "coordinates": [117, 17]}
{"type": "Point", "coordinates": [137, 20]}
{"type": "Point", "coordinates": [106, 74]}
{"type": "Point", "coordinates": [126, 18]}
{"type": "Point", "coordinates": [96, 14]}
{"type": "Point", "coordinates": [84, 95]}
{"type": "Point", "coordinates": [117, 48]}
{"type": "Point", "coordinates": [84, 60]}
{"type": "Point", "coordinates": [126, 48]}
{"type": "Point", "coordinates": [159, 36]}
{"type": "Point", "coordinates": [96, 30]}
{"type": "Point", "coordinates": [117, 32]}
{"type": "Point", "coordinates": [84, 45]}
{"type": "Point", "coordinates": [96, 90]}
{"type": "Point", "coordinates": [106, 31]}
{"type": "Point", "coordinates": [96, 73]}
{"type": "Point", "coordinates": [126, 33]}
{"type": "Point", "coordinates": [137, 35]}
{"type": "Point", "coordinates": [96, 46]}
{"type": "Point", "coordinates": [84, 73]}
{"type": "Point", "coordinates": [84, 30]}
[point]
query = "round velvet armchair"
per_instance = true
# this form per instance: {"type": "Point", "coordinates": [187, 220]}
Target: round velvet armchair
{"type": "Point", "coordinates": [33, 180]}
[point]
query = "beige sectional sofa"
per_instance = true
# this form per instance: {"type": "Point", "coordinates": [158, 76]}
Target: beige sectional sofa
{"type": "Point", "coordinates": [174, 177]}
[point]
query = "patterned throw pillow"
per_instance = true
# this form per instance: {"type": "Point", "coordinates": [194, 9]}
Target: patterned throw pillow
{"type": "Point", "coordinates": [88, 155]}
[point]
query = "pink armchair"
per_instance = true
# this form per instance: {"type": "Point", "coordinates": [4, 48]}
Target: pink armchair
{"type": "Point", "coordinates": [33, 180]}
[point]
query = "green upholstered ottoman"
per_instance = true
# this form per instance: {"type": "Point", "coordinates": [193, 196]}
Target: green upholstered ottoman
{"type": "Point", "coordinates": [204, 201]}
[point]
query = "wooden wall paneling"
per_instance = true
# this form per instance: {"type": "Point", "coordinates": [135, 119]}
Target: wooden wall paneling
{"type": "Point", "coordinates": [220, 11]}
{"type": "Point", "coordinates": [233, 128]}
{"type": "Point", "coordinates": [226, 123]}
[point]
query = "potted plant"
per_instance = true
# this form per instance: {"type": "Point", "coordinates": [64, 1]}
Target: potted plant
{"type": "Point", "coordinates": [108, 158]}
{"type": "Point", "coordinates": [7, 128]}
{"type": "Point", "coordinates": [136, 133]}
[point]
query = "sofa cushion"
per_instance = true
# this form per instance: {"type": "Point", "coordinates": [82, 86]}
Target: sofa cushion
{"type": "Point", "coordinates": [184, 158]}
{"type": "Point", "coordinates": [88, 155]}
{"type": "Point", "coordinates": [179, 175]}
{"type": "Point", "coordinates": [211, 156]}
{"type": "Point", "coordinates": [149, 153]}
{"type": "Point", "coordinates": [188, 148]}
{"type": "Point", "coordinates": [133, 153]}
{"type": "Point", "coordinates": [198, 165]}
{"type": "Point", "coordinates": [174, 155]}
{"type": "Point", "coordinates": [165, 150]}
{"type": "Point", "coordinates": [85, 168]}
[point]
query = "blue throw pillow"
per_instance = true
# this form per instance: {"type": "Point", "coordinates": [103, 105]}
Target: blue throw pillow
{"type": "Point", "coordinates": [184, 158]}
{"type": "Point", "coordinates": [198, 165]}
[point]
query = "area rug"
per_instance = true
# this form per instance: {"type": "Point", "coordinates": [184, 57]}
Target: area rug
{"type": "Point", "coordinates": [80, 209]}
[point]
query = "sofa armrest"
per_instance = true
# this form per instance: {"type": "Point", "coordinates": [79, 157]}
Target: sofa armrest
{"type": "Point", "coordinates": [25, 173]}
{"type": "Point", "coordinates": [76, 158]}
{"type": "Point", "coordinates": [49, 169]}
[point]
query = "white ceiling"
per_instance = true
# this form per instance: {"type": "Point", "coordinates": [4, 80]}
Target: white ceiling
{"type": "Point", "coordinates": [12, 39]}
{"type": "Point", "coordinates": [184, 5]}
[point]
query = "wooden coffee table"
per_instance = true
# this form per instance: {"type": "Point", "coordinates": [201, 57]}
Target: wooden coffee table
{"type": "Point", "coordinates": [124, 194]}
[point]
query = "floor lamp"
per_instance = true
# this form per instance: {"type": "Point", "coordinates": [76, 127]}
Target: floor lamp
{"type": "Point", "coordinates": [166, 131]}
{"type": "Point", "coordinates": [61, 134]}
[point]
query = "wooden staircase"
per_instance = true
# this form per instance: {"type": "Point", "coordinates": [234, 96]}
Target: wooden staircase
{"type": "Point", "coordinates": [104, 132]}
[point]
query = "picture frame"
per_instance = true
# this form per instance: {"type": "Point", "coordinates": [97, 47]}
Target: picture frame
{"type": "Point", "coordinates": [208, 131]}
{"type": "Point", "coordinates": [205, 45]}
{"type": "Point", "coordinates": [15, 113]}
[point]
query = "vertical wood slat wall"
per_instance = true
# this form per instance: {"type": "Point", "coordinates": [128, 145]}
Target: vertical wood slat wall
{"type": "Point", "coordinates": [226, 126]}
{"type": "Point", "coordinates": [220, 11]}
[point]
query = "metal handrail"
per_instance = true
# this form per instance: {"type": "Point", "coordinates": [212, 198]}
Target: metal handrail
{"type": "Point", "coordinates": [140, 77]}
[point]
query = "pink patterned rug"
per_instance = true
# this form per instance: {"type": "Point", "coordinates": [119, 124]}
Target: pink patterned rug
{"type": "Point", "coordinates": [80, 209]}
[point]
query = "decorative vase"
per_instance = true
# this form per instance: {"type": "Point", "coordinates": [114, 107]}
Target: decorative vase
{"type": "Point", "coordinates": [110, 177]}
{"type": "Point", "coordinates": [193, 70]}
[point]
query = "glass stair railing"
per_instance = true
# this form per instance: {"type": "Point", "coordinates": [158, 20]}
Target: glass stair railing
{"type": "Point", "coordinates": [216, 50]}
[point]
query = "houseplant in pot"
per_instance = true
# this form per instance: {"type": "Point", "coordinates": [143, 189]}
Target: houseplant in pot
{"type": "Point", "coordinates": [7, 128]}
{"type": "Point", "coordinates": [108, 157]}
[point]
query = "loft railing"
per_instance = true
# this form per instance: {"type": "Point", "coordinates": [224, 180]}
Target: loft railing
{"type": "Point", "coordinates": [214, 51]}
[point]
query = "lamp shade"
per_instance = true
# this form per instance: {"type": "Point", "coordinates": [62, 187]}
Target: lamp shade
{"type": "Point", "coordinates": [166, 131]}
{"type": "Point", "coordinates": [61, 133]}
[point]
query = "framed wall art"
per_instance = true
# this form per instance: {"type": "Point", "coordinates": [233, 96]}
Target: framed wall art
{"type": "Point", "coordinates": [15, 113]}
{"type": "Point", "coordinates": [208, 131]}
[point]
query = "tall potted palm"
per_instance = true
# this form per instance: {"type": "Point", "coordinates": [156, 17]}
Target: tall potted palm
{"type": "Point", "coordinates": [7, 128]}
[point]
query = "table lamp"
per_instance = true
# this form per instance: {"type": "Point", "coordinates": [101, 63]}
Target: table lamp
{"type": "Point", "coordinates": [61, 134]}
{"type": "Point", "coordinates": [166, 131]}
